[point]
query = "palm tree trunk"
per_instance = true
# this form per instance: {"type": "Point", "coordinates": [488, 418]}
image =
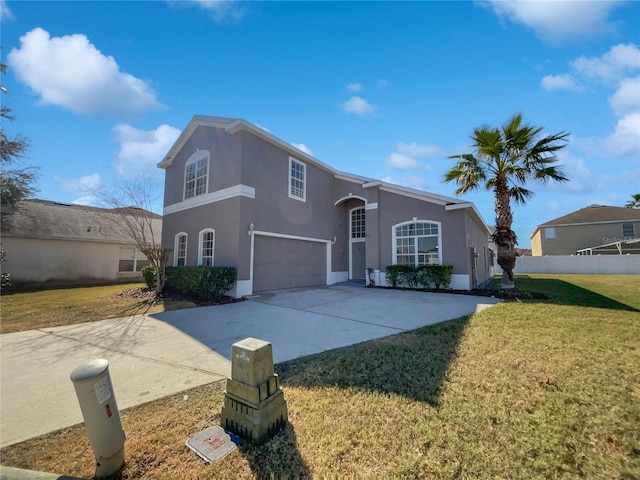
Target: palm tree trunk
{"type": "Point", "coordinates": [504, 237]}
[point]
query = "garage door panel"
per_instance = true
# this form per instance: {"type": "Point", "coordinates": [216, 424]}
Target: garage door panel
{"type": "Point", "coordinates": [286, 263]}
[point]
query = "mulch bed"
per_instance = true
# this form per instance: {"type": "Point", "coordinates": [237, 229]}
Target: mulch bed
{"type": "Point", "coordinates": [146, 294]}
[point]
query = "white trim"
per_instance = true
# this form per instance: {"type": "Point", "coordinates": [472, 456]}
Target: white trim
{"type": "Point", "coordinates": [217, 196]}
{"type": "Point", "coordinates": [371, 206]}
{"type": "Point", "coordinates": [355, 240]}
{"type": "Point", "coordinates": [175, 248]}
{"type": "Point", "coordinates": [338, 277]}
{"type": "Point", "coordinates": [213, 253]}
{"type": "Point", "coordinates": [350, 197]}
{"type": "Point", "coordinates": [394, 256]}
{"type": "Point", "coordinates": [195, 158]}
{"type": "Point", "coordinates": [241, 289]}
{"type": "Point", "coordinates": [302, 198]}
{"type": "Point", "coordinates": [460, 281]}
{"type": "Point", "coordinates": [328, 243]}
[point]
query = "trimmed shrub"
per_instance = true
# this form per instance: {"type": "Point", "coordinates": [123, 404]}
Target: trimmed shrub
{"type": "Point", "coordinates": [423, 276]}
{"type": "Point", "coordinates": [436, 276]}
{"type": "Point", "coordinates": [149, 276]}
{"type": "Point", "coordinates": [205, 282]}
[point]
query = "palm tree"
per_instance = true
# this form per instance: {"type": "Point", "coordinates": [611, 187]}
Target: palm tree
{"type": "Point", "coordinates": [634, 202]}
{"type": "Point", "coordinates": [504, 159]}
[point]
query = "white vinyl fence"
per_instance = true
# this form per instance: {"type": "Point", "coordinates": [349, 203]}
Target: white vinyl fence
{"type": "Point", "coordinates": [620, 264]}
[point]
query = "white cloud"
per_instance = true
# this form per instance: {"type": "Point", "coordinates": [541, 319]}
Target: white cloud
{"type": "Point", "coordinates": [415, 150]}
{"type": "Point", "coordinates": [625, 140]}
{"type": "Point", "coordinates": [5, 12]}
{"type": "Point", "coordinates": [220, 9]}
{"type": "Point", "coordinates": [581, 180]}
{"type": "Point", "coordinates": [72, 73]}
{"type": "Point", "coordinates": [87, 200]}
{"type": "Point", "coordinates": [141, 150]}
{"type": "Point", "coordinates": [382, 83]}
{"type": "Point", "coordinates": [410, 181]}
{"type": "Point", "coordinates": [620, 61]}
{"type": "Point", "coordinates": [626, 99]}
{"type": "Point", "coordinates": [359, 106]}
{"type": "Point", "coordinates": [84, 184]}
{"type": "Point", "coordinates": [554, 20]}
{"type": "Point", "coordinates": [303, 147]}
{"type": "Point", "coordinates": [560, 82]}
{"type": "Point", "coordinates": [354, 87]}
{"type": "Point", "coordinates": [400, 161]}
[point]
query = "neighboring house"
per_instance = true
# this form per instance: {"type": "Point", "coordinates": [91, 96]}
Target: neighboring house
{"type": "Point", "coordinates": [56, 242]}
{"type": "Point", "coordinates": [596, 229]}
{"type": "Point", "coordinates": [236, 195]}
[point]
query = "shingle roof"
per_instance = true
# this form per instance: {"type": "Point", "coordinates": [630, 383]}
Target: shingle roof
{"type": "Point", "coordinates": [597, 214]}
{"type": "Point", "coordinates": [53, 220]}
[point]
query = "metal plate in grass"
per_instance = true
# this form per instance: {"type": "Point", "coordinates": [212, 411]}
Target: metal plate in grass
{"type": "Point", "coordinates": [211, 444]}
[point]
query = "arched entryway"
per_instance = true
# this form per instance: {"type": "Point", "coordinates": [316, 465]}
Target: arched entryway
{"type": "Point", "coordinates": [354, 208]}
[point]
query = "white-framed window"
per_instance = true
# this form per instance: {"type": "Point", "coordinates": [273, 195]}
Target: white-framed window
{"type": "Point", "coordinates": [196, 174]}
{"type": "Point", "coordinates": [357, 223]}
{"type": "Point", "coordinates": [297, 179]}
{"type": "Point", "coordinates": [628, 231]}
{"type": "Point", "coordinates": [180, 250]}
{"type": "Point", "coordinates": [206, 247]}
{"type": "Point", "coordinates": [550, 233]}
{"type": "Point", "coordinates": [131, 260]}
{"type": "Point", "coordinates": [416, 243]}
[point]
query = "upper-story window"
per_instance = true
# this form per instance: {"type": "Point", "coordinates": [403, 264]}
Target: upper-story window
{"type": "Point", "coordinates": [180, 250]}
{"type": "Point", "coordinates": [628, 231]}
{"type": "Point", "coordinates": [357, 223]}
{"type": "Point", "coordinates": [416, 243]}
{"type": "Point", "coordinates": [297, 179]}
{"type": "Point", "coordinates": [550, 233]}
{"type": "Point", "coordinates": [196, 174]}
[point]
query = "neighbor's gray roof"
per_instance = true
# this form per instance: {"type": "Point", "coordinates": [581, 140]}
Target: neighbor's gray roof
{"type": "Point", "coordinates": [597, 214]}
{"type": "Point", "coordinates": [45, 219]}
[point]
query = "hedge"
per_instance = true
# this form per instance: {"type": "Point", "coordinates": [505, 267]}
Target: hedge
{"type": "Point", "coordinates": [422, 276]}
{"type": "Point", "coordinates": [205, 282]}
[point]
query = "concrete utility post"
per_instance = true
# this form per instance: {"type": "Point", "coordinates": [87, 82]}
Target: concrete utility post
{"type": "Point", "coordinates": [254, 405]}
{"type": "Point", "coordinates": [101, 416]}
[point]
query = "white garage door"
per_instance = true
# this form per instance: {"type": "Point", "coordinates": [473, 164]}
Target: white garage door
{"type": "Point", "coordinates": [286, 263]}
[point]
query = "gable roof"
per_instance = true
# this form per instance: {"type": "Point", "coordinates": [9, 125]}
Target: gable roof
{"type": "Point", "coordinates": [44, 219]}
{"type": "Point", "coordinates": [594, 214]}
{"type": "Point", "coordinates": [234, 125]}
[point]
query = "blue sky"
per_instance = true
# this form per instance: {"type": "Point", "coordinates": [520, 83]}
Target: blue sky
{"type": "Point", "coordinates": [381, 89]}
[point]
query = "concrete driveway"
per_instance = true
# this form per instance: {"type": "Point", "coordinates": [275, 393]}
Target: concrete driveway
{"type": "Point", "coordinates": [151, 356]}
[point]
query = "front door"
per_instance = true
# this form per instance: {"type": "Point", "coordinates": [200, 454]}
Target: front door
{"type": "Point", "coordinates": [358, 260]}
{"type": "Point", "coordinates": [357, 244]}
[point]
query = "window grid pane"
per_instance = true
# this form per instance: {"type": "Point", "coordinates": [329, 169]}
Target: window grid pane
{"type": "Point", "coordinates": [207, 249]}
{"type": "Point", "coordinates": [181, 255]}
{"type": "Point", "coordinates": [628, 230]}
{"type": "Point", "coordinates": [297, 175]}
{"type": "Point", "coordinates": [417, 244]}
{"type": "Point", "coordinates": [357, 223]}
{"type": "Point", "coordinates": [196, 178]}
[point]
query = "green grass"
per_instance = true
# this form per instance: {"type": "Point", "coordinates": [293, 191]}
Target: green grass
{"type": "Point", "coordinates": [539, 389]}
{"type": "Point", "coordinates": [33, 309]}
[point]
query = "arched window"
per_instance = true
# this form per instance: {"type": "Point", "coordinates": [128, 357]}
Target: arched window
{"type": "Point", "coordinates": [206, 247]}
{"type": "Point", "coordinates": [417, 243]}
{"type": "Point", "coordinates": [196, 174]}
{"type": "Point", "coordinates": [180, 250]}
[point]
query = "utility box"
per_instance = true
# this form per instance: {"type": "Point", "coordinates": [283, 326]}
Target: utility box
{"type": "Point", "coordinates": [254, 406]}
{"type": "Point", "coordinates": [101, 416]}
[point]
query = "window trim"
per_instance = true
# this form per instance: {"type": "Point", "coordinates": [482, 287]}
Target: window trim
{"type": "Point", "coordinates": [195, 158]}
{"type": "Point", "coordinates": [394, 254]}
{"type": "Point", "coordinates": [290, 177]}
{"type": "Point", "coordinates": [176, 250]}
{"type": "Point", "coordinates": [201, 245]}
{"type": "Point", "coordinates": [549, 233]}
{"type": "Point", "coordinates": [633, 231]}
{"type": "Point", "coordinates": [138, 256]}
{"type": "Point", "coordinates": [364, 217]}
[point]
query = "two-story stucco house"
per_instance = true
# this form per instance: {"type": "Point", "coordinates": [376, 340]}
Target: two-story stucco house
{"type": "Point", "coordinates": [599, 229]}
{"type": "Point", "coordinates": [237, 195]}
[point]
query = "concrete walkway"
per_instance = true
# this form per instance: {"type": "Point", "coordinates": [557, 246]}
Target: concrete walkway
{"type": "Point", "coordinates": [151, 356]}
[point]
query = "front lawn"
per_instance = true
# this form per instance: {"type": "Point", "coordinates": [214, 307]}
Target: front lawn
{"type": "Point", "coordinates": [524, 390]}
